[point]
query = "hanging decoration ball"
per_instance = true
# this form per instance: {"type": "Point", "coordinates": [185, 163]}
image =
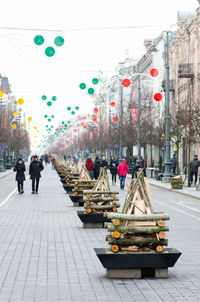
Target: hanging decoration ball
{"type": "Point", "coordinates": [59, 41]}
{"type": "Point", "coordinates": [112, 104]}
{"type": "Point", "coordinates": [15, 114]}
{"type": "Point", "coordinates": [154, 72]}
{"type": "Point", "coordinates": [66, 125]}
{"type": "Point", "coordinates": [69, 122]}
{"type": "Point", "coordinates": [44, 97]}
{"type": "Point", "coordinates": [95, 81]}
{"type": "Point", "coordinates": [75, 130]}
{"type": "Point", "coordinates": [115, 119]}
{"type": "Point", "coordinates": [54, 98]}
{"type": "Point", "coordinates": [126, 82]}
{"type": "Point", "coordinates": [96, 130]}
{"type": "Point", "coordinates": [76, 137]}
{"type": "Point", "coordinates": [29, 118]}
{"type": "Point", "coordinates": [51, 126]}
{"type": "Point", "coordinates": [94, 119]}
{"type": "Point", "coordinates": [37, 131]}
{"type": "Point", "coordinates": [52, 116]}
{"type": "Point", "coordinates": [91, 91]}
{"type": "Point", "coordinates": [14, 126]}
{"type": "Point", "coordinates": [82, 86]}
{"type": "Point", "coordinates": [47, 126]}
{"type": "Point", "coordinates": [50, 51]}
{"type": "Point", "coordinates": [20, 101]}
{"type": "Point", "coordinates": [1, 94]}
{"type": "Point", "coordinates": [49, 103]}
{"type": "Point", "coordinates": [49, 120]}
{"type": "Point", "coordinates": [69, 108]}
{"type": "Point", "coordinates": [73, 112]}
{"type": "Point", "coordinates": [77, 107]}
{"type": "Point", "coordinates": [35, 127]}
{"type": "Point", "coordinates": [96, 110]}
{"type": "Point", "coordinates": [84, 127]}
{"type": "Point", "coordinates": [63, 122]}
{"type": "Point", "coordinates": [39, 40]}
{"type": "Point", "coordinates": [24, 123]}
{"type": "Point", "coordinates": [82, 124]}
{"type": "Point", "coordinates": [157, 97]}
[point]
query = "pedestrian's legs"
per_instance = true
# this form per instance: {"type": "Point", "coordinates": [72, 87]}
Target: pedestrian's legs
{"type": "Point", "coordinates": [22, 186]}
{"type": "Point", "coordinates": [115, 178]}
{"type": "Point", "coordinates": [37, 183]}
{"type": "Point", "coordinates": [123, 181]}
{"type": "Point", "coordinates": [195, 173]}
{"type": "Point", "coordinates": [18, 186]}
{"type": "Point", "coordinates": [33, 185]}
{"type": "Point", "coordinates": [120, 183]}
{"type": "Point", "coordinates": [174, 170]}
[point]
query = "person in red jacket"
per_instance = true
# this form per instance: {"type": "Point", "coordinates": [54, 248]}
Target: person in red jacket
{"type": "Point", "coordinates": [122, 171]}
{"type": "Point", "coordinates": [90, 167]}
{"type": "Point", "coordinates": [53, 160]}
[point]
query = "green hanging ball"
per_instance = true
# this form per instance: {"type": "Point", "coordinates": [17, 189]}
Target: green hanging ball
{"type": "Point", "coordinates": [82, 86]}
{"type": "Point", "coordinates": [54, 98]}
{"type": "Point", "coordinates": [49, 103]}
{"type": "Point", "coordinates": [52, 116]}
{"type": "Point", "coordinates": [65, 125]}
{"type": "Point", "coordinates": [39, 40]}
{"type": "Point", "coordinates": [77, 108]}
{"type": "Point", "coordinates": [47, 126]}
{"type": "Point", "coordinates": [68, 122]}
{"type": "Point", "coordinates": [59, 41]}
{"type": "Point", "coordinates": [95, 81]}
{"type": "Point", "coordinates": [50, 51]}
{"type": "Point", "coordinates": [69, 108]}
{"type": "Point", "coordinates": [91, 91]}
{"type": "Point", "coordinates": [49, 119]}
{"type": "Point", "coordinates": [44, 97]}
{"type": "Point", "coordinates": [73, 112]}
{"type": "Point", "coordinates": [45, 115]}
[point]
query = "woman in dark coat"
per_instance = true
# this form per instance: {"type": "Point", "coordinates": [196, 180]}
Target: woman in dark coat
{"type": "Point", "coordinates": [113, 168]}
{"type": "Point", "coordinates": [20, 177]}
{"type": "Point", "coordinates": [34, 171]}
{"type": "Point", "coordinates": [97, 165]}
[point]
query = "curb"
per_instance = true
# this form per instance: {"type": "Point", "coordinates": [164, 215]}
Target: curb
{"type": "Point", "coordinates": [178, 192]}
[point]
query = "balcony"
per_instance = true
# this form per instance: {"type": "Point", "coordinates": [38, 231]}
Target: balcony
{"type": "Point", "coordinates": [171, 85]}
{"type": "Point", "coordinates": [185, 71]}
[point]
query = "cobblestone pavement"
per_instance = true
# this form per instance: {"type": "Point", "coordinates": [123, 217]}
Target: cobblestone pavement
{"type": "Point", "coordinates": [46, 255]}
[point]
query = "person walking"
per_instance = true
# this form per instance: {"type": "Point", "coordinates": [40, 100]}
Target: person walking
{"type": "Point", "coordinates": [122, 171]}
{"type": "Point", "coordinates": [104, 162]}
{"type": "Point", "coordinates": [20, 176]}
{"type": "Point", "coordinates": [194, 164]}
{"type": "Point", "coordinates": [53, 160]}
{"type": "Point", "coordinates": [113, 168]}
{"type": "Point", "coordinates": [173, 163]}
{"type": "Point", "coordinates": [90, 167]}
{"type": "Point", "coordinates": [34, 171]}
{"type": "Point", "coordinates": [97, 165]}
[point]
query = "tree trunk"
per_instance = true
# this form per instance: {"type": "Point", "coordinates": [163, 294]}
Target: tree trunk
{"type": "Point", "coordinates": [137, 217]}
{"type": "Point", "coordinates": [136, 230]}
{"type": "Point", "coordinates": [103, 207]}
{"type": "Point", "coordinates": [137, 241]}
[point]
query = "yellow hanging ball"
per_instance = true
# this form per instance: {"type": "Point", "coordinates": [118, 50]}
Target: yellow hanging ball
{"type": "Point", "coordinates": [14, 126]}
{"type": "Point", "coordinates": [37, 131]}
{"type": "Point", "coordinates": [35, 127]}
{"type": "Point", "coordinates": [24, 124]}
{"type": "Point", "coordinates": [29, 128]}
{"type": "Point", "coordinates": [20, 101]}
{"type": "Point", "coordinates": [28, 134]}
{"type": "Point", "coordinates": [35, 136]}
{"type": "Point", "coordinates": [15, 113]}
{"type": "Point", "coordinates": [30, 118]}
{"type": "Point", "coordinates": [1, 94]}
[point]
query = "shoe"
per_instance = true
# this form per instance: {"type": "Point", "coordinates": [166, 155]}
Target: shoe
{"type": "Point", "coordinates": [32, 192]}
{"type": "Point", "coordinates": [21, 192]}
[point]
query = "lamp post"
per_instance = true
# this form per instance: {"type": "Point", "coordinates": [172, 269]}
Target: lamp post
{"type": "Point", "coordinates": [139, 113]}
{"type": "Point", "coordinates": [167, 169]}
{"type": "Point", "coordinates": [121, 122]}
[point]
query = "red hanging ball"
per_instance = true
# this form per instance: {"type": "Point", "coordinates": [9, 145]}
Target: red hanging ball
{"type": "Point", "coordinates": [157, 97]}
{"type": "Point", "coordinates": [126, 82]}
{"type": "Point", "coordinates": [96, 110]}
{"type": "Point", "coordinates": [112, 104]}
{"type": "Point", "coordinates": [115, 119]}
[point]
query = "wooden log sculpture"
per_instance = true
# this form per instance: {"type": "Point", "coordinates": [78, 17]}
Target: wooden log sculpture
{"type": "Point", "coordinates": [137, 228]}
{"type": "Point", "coordinates": [176, 182]}
{"type": "Point", "coordinates": [101, 199]}
{"type": "Point", "coordinates": [84, 182]}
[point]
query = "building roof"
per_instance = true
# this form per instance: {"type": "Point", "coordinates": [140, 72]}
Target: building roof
{"type": "Point", "coordinates": [5, 86]}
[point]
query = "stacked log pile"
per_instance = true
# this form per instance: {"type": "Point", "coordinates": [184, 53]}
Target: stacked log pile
{"type": "Point", "coordinates": [137, 228]}
{"type": "Point", "coordinates": [72, 176]}
{"type": "Point", "coordinates": [176, 182]}
{"type": "Point", "coordinates": [101, 199]}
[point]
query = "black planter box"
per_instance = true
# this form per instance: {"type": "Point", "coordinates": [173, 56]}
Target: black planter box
{"type": "Point", "coordinates": [92, 218]}
{"type": "Point", "coordinates": [76, 198]}
{"type": "Point", "coordinates": [68, 188]}
{"type": "Point", "coordinates": [139, 260]}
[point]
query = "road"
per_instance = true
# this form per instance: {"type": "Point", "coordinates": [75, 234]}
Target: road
{"type": "Point", "coordinates": [46, 255]}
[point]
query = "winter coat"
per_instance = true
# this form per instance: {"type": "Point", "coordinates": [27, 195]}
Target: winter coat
{"type": "Point", "coordinates": [20, 169]}
{"type": "Point", "coordinates": [113, 166]}
{"type": "Point", "coordinates": [89, 165]}
{"type": "Point", "coordinates": [97, 165]}
{"type": "Point", "coordinates": [173, 161]}
{"type": "Point", "coordinates": [35, 168]}
{"type": "Point", "coordinates": [122, 168]}
{"type": "Point", "coordinates": [104, 163]}
{"type": "Point", "coordinates": [194, 164]}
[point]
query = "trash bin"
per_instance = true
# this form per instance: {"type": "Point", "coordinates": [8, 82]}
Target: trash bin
{"type": "Point", "coordinates": [156, 174]}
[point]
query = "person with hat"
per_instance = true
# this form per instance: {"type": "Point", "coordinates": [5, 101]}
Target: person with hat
{"type": "Point", "coordinates": [34, 171]}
